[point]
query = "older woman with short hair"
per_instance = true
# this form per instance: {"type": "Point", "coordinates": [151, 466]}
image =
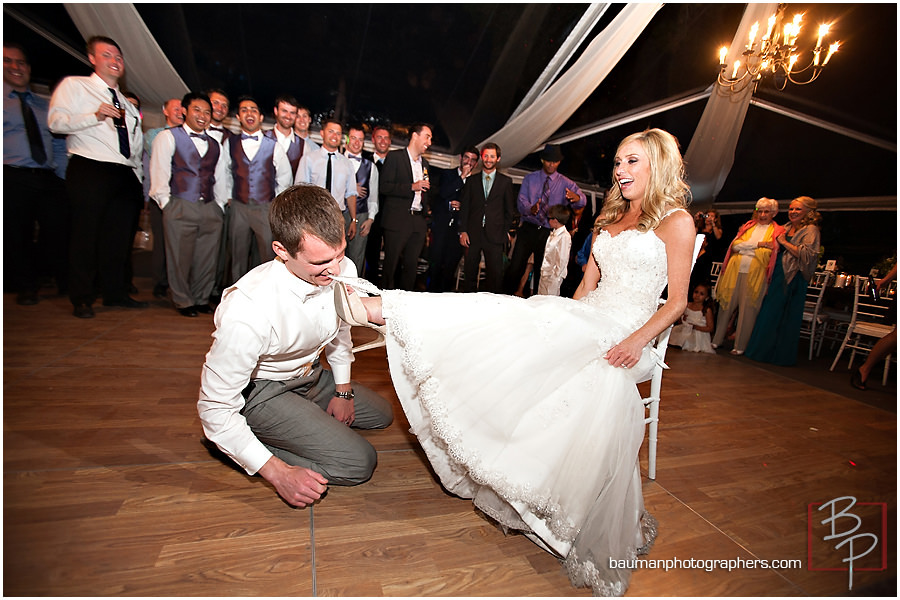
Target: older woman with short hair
{"type": "Point", "coordinates": [776, 333]}
{"type": "Point", "coordinates": [748, 267]}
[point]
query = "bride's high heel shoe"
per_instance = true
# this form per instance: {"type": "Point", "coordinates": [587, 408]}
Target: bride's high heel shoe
{"type": "Point", "coordinates": [350, 309]}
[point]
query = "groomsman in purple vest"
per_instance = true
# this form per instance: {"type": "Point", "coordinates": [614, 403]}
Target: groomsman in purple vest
{"type": "Point", "coordinates": [301, 128]}
{"type": "Point", "coordinates": [187, 173]}
{"type": "Point", "coordinates": [328, 168]}
{"type": "Point", "coordinates": [174, 114]}
{"type": "Point", "coordinates": [283, 132]}
{"type": "Point", "coordinates": [220, 106]}
{"type": "Point", "coordinates": [366, 195]}
{"type": "Point", "coordinates": [220, 133]}
{"type": "Point", "coordinates": [258, 170]}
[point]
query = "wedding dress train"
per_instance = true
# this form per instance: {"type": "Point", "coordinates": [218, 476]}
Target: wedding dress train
{"type": "Point", "coordinates": [516, 408]}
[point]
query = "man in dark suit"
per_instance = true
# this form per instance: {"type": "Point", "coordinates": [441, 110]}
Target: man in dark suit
{"type": "Point", "coordinates": [445, 251]}
{"type": "Point", "coordinates": [487, 211]}
{"type": "Point", "coordinates": [403, 188]}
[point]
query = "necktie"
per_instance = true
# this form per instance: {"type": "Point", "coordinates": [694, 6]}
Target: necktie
{"type": "Point", "coordinates": [202, 136]}
{"type": "Point", "coordinates": [124, 145]}
{"type": "Point", "coordinates": [328, 172]}
{"type": "Point", "coordinates": [354, 157]}
{"type": "Point", "coordinates": [244, 136]}
{"type": "Point", "coordinates": [219, 129]}
{"type": "Point", "coordinates": [488, 181]}
{"type": "Point", "coordinates": [32, 131]}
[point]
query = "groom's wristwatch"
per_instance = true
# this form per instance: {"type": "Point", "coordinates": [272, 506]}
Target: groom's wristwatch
{"type": "Point", "coordinates": [345, 395]}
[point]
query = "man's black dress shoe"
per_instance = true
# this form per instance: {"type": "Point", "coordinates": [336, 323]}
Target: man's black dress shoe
{"type": "Point", "coordinates": [83, 311]}
{"type": "Point", "coordinates": [204, 309]}
{"type": "Point", "coordinates": [27, 298]}
{"type": "Point", "coordinates": [126, 302]}
{"type": "Point", "coordinates": [188, 311]}
{"type": "Point", "coordinates": [856, 380]}
{"type": "Point", "coordinates": [159, 291]}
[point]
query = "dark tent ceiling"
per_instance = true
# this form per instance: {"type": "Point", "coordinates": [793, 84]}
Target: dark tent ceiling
{"type": "Point", "coordinates": [465, 68]}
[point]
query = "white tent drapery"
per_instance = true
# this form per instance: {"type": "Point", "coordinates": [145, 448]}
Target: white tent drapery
{"type": "Point", "coordinates": [147, 69]}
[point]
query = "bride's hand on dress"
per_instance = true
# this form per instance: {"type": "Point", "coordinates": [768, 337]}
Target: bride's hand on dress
{"type": "Point", "coordinates": [625, 354]}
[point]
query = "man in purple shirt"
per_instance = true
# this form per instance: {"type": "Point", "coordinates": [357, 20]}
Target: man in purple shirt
{"type": "Point", "coordinates": [539, 191]}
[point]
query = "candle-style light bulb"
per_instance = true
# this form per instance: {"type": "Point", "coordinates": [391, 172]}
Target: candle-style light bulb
{"type": "Point", "coordinates": [831, 50]}
{"type": "Point", "coordinates": [737, 65]}
{"type": "Point", "coordinates": [792, 61]}
{"type": "Point", "coordinates": [753, 32]}
{"type": "Point", "coordinates": [772, 20]}
{"type": "Point", "coordinates": [723, 52]}
{"type": "Point", "coordinates": [823, 31]}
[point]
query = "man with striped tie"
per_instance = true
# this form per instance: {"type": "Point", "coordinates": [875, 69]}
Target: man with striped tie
{"type": "Point", "coordinates": [103, 180]}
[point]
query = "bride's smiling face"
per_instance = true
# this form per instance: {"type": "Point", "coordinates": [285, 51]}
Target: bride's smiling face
{"type": "Point", "coordinates": [632, 170]}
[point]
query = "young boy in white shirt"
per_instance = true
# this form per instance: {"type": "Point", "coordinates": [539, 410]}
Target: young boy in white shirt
{"type": "Point", "coordinates": [556, 251]}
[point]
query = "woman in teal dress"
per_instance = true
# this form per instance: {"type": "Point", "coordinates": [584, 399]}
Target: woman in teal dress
{"type": "Point", "coordinates": [776, 334]}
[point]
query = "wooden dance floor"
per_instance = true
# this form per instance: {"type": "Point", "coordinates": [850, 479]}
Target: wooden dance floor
{"type": "Point", "coordinates": [109, 489]}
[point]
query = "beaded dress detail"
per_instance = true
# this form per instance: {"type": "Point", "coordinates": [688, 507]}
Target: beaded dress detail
{"type": "Point", "coordinates": [517, 409]}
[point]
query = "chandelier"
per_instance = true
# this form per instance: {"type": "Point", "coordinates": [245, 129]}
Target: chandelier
{"type": "Point", "coordinates": [775, 56]}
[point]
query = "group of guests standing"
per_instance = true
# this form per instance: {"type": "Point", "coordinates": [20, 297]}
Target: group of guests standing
{"type": "Point", "coordinates": [761, 291]}
{"type": "Point", "coordinates": [208, 189]}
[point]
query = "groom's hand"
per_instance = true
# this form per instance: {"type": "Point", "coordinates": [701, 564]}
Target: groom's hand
{"type": "Point", "coordinates": [298, 486]}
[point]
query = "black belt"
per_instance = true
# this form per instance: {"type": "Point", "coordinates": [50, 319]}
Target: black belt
{"type": "Point", "coordinates": [417, 212]}
{"type": "Point", "coordinates": [529, 223]}
{"type": "Point", "coordinates": [32, 170]}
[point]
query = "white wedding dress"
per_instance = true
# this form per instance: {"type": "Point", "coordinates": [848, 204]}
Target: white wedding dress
{"type": "Point", "coordinates": [517, 409]}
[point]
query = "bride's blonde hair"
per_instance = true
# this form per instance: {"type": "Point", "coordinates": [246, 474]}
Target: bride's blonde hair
{"type": "Point", "coordinates": [665, 190]}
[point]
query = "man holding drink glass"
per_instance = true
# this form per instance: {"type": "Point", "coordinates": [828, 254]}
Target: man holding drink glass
{"type": "Point", "coordinates": [103, 178]}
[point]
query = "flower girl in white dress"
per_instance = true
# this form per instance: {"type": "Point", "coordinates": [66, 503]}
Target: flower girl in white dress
{"type": "Point", "coordinates": [530, 407]}
{"type": "Point", "coordinates": [694, 333]}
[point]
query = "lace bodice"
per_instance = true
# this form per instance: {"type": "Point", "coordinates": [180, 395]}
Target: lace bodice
{"type": "Point", "coordinates": [633, 273]}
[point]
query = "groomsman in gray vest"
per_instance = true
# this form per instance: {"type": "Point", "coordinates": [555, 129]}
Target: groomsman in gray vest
{"type": "Point", "coordinates": [257, 170]}
{"type": "Point", "coordinates": [174, 114]}
{"type": "Point", "coordinates": [283, 132]}
{"type": "Point", "coordinates": [220, 133]}
{"type": "Point", "coordinates": [301, 128]}
{"type": "Point", "coordinates": [366, 195]}
{"type": "Point", "coordinates": [187, 172]}
{"type": "Point", "coordinates": [329, 169]}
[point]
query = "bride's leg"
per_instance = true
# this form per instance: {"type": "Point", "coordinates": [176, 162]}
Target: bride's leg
{"type": "Point", "coordinates": [373, 309]}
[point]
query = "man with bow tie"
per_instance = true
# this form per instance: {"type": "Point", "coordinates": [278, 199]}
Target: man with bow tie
{"type": "Point", "coordinates": [187, 173]}
{"type": "Point", "coordinates": [366, 194]}
{"type": "Point", "coordinates": [257, 170]}
{"type": "Point", "coordinates": [103, 179]}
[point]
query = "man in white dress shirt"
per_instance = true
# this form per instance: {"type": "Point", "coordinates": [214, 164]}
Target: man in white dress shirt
{"type": "Point", "coordinates": [103, 178]}
{"type": "Point", "coordinates": [220, 133]}
{"type": "Point", "coordinates": [328, 168]}
{"type": "Point", "coordinates": [265, 399]}
{"type": "Point", "coordinates": [283, 132]}
{"type": "Point", "coordinates": [366, 174]}
{"type": "Point", "coordinates": [258, 170]}
{"type": "Point", "coordinates": [301, 128]}
{"type": "Point", "coordinates": [187, 173]}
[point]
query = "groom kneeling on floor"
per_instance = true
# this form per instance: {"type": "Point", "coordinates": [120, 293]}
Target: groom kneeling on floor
{"type": "Point", "coordinates": [265, 399]}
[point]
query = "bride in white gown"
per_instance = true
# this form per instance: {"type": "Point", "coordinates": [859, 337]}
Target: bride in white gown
{"type": "Point", "coordinates": [530, 407]}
